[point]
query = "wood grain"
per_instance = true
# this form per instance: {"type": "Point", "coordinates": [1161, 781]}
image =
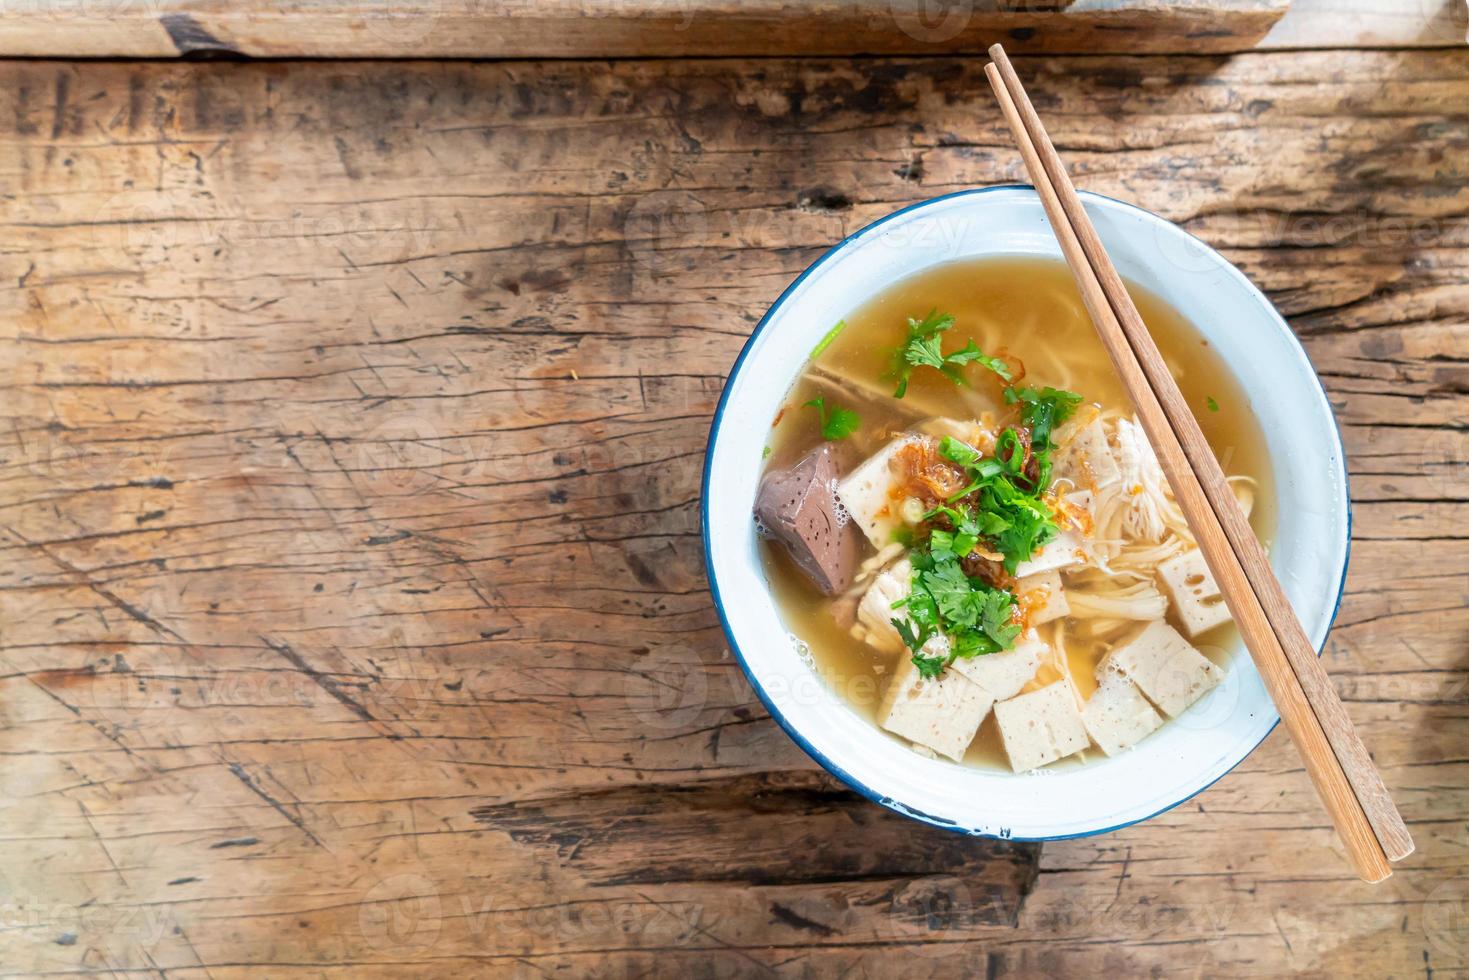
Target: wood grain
{"type": "Point", "coordinates": [354, 619]}
{"type": "Point", "coordinates": [1371, 24]}
{"type": "Point", "coordinates": [622, 28]}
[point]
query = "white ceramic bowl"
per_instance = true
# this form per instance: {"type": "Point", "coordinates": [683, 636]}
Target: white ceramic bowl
{"type": "Point", "coordinates": [1309, 551]}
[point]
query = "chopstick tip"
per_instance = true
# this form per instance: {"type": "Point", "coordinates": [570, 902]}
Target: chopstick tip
{"type": "Point", "coordinates": [997, 52]}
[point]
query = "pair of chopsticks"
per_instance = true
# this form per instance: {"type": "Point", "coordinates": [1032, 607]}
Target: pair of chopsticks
{"type": "Point", "coordinates": [1345, 777]}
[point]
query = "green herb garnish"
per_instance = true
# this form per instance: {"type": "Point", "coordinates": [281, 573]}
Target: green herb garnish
{"type": "Point", "coordinates": [1013, 519]}
{"type": "Point", "coordinates": [825, 341]}
{"type": "Point", "coordinates": [976, 617]}
{"type": "Point", "coordinates": [1213, 405]}
{"type": "Point", "coordinates": [838, 423]}
{"type": "Point", "coordinates": [1042, 410]}
{"type": "Point", "coordinates": [924, 348]}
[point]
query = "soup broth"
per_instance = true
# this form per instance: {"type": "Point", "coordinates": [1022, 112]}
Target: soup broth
{"type": "Point", "coordinates": [1028, 312]}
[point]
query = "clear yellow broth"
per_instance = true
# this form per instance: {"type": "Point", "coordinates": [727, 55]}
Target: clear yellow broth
{"type": "Point", "coordinates": [1026, 307]}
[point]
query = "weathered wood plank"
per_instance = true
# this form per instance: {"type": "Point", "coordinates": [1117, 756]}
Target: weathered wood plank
{"type": "Point", "coordinates": [355, 620]}
{"type": "Point", "coordinates": [1371, 24]}
{"type": "Point", "coordinates": [619, 28]}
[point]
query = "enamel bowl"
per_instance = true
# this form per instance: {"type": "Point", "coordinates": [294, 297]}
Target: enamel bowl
{"type": "Point", "coordinates": [1309, 551]}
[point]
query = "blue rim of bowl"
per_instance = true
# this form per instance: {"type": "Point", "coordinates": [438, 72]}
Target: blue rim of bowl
{"type": "Point", "coordinates": [847, 778]}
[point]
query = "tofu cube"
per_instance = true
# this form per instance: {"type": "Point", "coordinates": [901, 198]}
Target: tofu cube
{"type": "Point", "coordinates": [1062, 551]}
{"type": "Point", "coordinates": [1041, 727]}
{"type": "Point", "coordinates": [1088, 458]}
{"type": "Point", "coordinates": [942, 714]}
{"type": "Point", "coordinates": [1042, 597]}
{"type": "Point", "coordinates": [876, 611]}
{"type": "Point", "coordinates": [1003, 674]}
{"type": "Point", "coordinates": [1196, 597]}
{"type": "Point", "coordinates": [1170, 672]}
{"type": "Point", "coordinates": [942, 425]}
{"type": "Point", "coordinates": [1117, 716]}
{"type": "Point", "coordinates": [869, 494]}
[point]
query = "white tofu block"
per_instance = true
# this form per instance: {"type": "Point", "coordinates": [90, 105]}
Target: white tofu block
{"type": "Point", "coordinates": [1088, 459]}
{"type": "Point", "coordinates": [869, 494]}
{"type": "Point", "coordinates": [1081, 499]}
{"type": "Point", "coordinates": [1161, 662]}
{"type": "Point", "coordinates": [1041, 727]}
{"type": "Point", "coordinates": [1196, 598]}
{"type": "Point", "coordinates": [941, 425]}
{"type": "Point", "coordinates": [1062, 551]}
{"type": "Point", "coordinates": [1042, 597]}
{"type": "Point", "coordinates": [1003, 674]}
{"type": "Point", "coordinates": [942, 714]}
{"type": "Point", "coordinates": [876, 612]}
{"type": "Point", "coordinates": [1117, 716]}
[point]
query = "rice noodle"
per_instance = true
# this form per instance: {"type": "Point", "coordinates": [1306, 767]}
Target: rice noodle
{"type": "Point", "coordinates": [1140, 601]}
{"type": "Point", "coordinates": [873, 565]}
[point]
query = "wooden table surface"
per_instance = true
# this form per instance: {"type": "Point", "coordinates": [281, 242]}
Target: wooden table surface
{"type": "Point", "coordinates": [354, 618]}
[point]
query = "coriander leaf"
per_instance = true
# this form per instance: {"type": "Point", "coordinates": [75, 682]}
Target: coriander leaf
{"type": "Point", "coordinates": [972, 353]}
{"type": "Point", "coordinates": [927, 351]}
{"type": "Point", "coordinates": [924, 352]}
{"type": "Point", "coordinates": [950, 589]}
{"type": "Point", "coordinates": [839, 424]}
{"type": "Point", "coordinates": [930, 326]}
{"type": "Point", "coordinates": [929, 668]}
{"type": "Point", "coordinates": [912, 639]}
{"type": "Point", "coordinates": [934, 323]}
{"type": "Point", "coordinates": [1213, 405]}
{"type": "Point", "coordinates": [976, 618]}
{"type": "Point", "coordinates": [843, 422]}
{"type": "Point", "coordinates": [973, 643]}
{"type": "Point", "coordinates": [1043, 409]}
{"type": "Point", "coordinates": [996, 618]}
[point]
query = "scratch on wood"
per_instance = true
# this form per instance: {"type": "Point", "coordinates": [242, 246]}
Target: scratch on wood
{"type": "Point", "coordinates": [239, 773]}
{"type": "Point", "coordinates": [327, 684]}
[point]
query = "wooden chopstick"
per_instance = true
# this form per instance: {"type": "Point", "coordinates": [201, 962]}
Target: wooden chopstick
{"type": "Point", "coordinates": [1348, 782]}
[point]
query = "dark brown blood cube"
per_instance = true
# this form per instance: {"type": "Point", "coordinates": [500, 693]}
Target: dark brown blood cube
{"type": "Point", "coordinates": [798, 507]}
